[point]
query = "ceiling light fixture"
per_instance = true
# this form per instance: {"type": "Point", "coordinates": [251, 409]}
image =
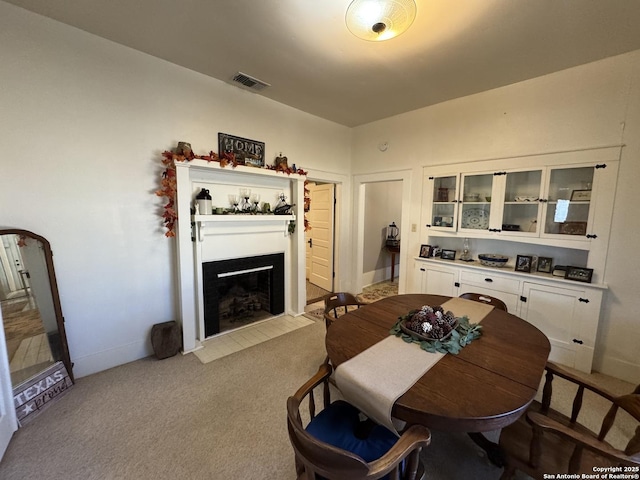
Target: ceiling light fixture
{"type": "Point", "coordinates": [378, 20]}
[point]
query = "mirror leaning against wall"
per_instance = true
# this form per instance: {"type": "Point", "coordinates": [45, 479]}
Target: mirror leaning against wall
{"type": "Point", "coordinates": [31, 312]}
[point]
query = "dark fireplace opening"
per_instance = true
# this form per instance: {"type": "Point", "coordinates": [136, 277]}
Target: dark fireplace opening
{"type": "Point", "coordinates": [241, 291]}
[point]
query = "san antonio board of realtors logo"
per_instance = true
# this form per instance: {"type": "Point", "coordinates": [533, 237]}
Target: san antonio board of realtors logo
{"type": "Point", "coordinates": [36, 394]}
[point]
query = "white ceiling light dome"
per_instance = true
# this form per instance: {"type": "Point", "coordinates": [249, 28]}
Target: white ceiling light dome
{"type": "Point", "coordinates": [378, 20]}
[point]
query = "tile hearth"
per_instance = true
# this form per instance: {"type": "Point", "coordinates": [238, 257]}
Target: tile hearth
{"type": "Point", "coordinates": [236, 340]}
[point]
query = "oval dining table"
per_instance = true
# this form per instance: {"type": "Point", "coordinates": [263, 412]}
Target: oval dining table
{"type": "Point", "coordinates": [487, 386]}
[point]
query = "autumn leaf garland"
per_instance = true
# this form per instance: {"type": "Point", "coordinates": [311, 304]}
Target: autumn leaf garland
{"type": "Point", "coordinates": [168, 187]}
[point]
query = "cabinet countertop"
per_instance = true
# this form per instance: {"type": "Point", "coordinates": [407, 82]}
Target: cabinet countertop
{"type": "Point", "coordinates": [508, 270]}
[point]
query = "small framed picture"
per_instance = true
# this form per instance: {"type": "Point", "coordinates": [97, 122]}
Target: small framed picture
{"type": "Point", "coordinates": [448, 254]}
{"type": "Point", "coordinates": [579, 274]}
{"type": "Point", "coordinates": [573, 228]}
{"type": "Point", "coordinates": [523, 263]}
{"type": "Point", "coordinates": [544, 264]}
{"type": "Point", "coordinates": [425, 251]}
{"type": "Point", "coordinates": [581, 195]}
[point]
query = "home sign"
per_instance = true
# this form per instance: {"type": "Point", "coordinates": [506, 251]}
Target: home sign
{"type": "Point", "coordinates": [247, 152]}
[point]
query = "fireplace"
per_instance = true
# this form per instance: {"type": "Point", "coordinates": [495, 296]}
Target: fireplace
{"type": "Point", "coordinates": [241, 291]}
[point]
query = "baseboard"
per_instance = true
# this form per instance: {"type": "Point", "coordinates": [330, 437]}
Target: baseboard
{"type": "Point", "coordinates": [621, 369]}
{"type": "Point", "coordinates": [97, 362]}
{"type": "Point", "coordinates": [376, 276]}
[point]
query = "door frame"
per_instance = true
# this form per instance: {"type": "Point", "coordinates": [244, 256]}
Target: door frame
{"type": "Point", "coordinates": [342, 216]}
{"type": "Point", "coordinates": [359, 186]}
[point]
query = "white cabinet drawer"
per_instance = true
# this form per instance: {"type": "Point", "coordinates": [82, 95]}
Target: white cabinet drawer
{"type": "Point", "coordinates": [492, 281]}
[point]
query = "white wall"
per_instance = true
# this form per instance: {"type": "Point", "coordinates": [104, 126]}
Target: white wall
{"type": "Point", "coordinates": [592, 105]}
{"type": "Point", "coordinates": [383, 205]}
{"type": "Point", "coordinates": [83, 124]}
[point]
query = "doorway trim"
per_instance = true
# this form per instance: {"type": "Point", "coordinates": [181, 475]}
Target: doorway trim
{"type": "Point", "coordinates": [359, 184]}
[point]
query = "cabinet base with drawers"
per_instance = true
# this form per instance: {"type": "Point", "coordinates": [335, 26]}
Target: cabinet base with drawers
{"type": "Point", "coordinates": [567, 312]}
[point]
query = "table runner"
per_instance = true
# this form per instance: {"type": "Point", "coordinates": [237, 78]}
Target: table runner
{"type": "Point", "coordinates": [374, 379]}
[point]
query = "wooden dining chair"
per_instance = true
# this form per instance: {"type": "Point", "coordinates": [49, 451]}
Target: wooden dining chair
{"type": "Point", "coordinates": [335, 445]}
{"type": "Point", "coordinates": [489, 300]}
{"type": "Point", "coordinates": [338, 304]}
{"type": "Point", "coordinates": [545, 440]}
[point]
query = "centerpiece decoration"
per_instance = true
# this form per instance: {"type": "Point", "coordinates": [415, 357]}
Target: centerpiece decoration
{"type": "Point", "coordinates": [436, 330]}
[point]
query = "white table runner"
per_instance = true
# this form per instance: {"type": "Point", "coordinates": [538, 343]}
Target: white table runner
{"type": "Point", "coordinates": [374, 379]}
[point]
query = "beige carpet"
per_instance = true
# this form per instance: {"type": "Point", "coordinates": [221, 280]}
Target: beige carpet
{"type": "Point", "coordinates": [177, 418]}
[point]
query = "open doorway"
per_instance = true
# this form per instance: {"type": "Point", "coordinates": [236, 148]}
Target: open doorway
{"type": "Point", "coordinates": [382, 208]}
{"type": "Point", "coordinates": [320, 240]}
{"type": "Point", "coordinates": [397, 184]}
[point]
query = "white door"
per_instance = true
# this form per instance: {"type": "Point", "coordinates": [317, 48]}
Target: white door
{"type": "Point", "coordinates": [320, 244]}
{"type": "Point", "coordinates": [8, 422]}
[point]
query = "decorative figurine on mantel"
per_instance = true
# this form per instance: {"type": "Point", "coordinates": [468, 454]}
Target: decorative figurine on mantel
{"type": "Point", "coordinates": [282, 207]}
{"type": "Point", "coordinates": [281, 163]}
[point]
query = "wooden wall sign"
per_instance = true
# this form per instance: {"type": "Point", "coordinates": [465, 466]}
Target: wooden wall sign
{"type": "Point", "coordinates": [247, 152]}
{"type": "Point", "coordinates": [39, 392]}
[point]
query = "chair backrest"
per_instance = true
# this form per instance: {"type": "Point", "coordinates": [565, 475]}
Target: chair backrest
{"type": "Point", "coordinates": [315, 459]}
{"type": "Point", "coordinates": [488, 299]}
{"type": "Point", "coordinates": [575, 448]}
{"type": "Point", "coordinates": [338, 304]}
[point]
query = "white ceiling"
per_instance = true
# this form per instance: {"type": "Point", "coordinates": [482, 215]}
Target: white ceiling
{"type": "Point", "coordinates": [304, 50]}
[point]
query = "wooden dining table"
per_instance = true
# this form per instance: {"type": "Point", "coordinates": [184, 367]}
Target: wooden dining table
{"type": "Point", "coordinates": [487, 386]}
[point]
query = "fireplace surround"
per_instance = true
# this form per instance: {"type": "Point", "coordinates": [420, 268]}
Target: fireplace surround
{"type": "Point", "coordinates": [204, 239]}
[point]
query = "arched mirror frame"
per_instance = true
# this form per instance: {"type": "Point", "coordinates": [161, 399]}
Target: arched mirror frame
{"type": "Point", "coordinates": [48, 255]}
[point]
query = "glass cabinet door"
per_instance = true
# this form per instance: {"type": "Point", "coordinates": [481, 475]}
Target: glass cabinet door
{"type": "Point", "coordinates": [476, 201]}
{"type": "Point", "coordinates": [522, 211]}
{"type": "Point", "coordinates": [568, 201]}
{"type": "Point", "coordinates": [444, 202]}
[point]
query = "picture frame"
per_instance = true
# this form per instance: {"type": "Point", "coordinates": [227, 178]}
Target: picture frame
{"type": "Point", "coordinates": [247, 152]}
{"type": "Point", "coordinates": [425, 251]}
{"type": "Point", "coordinates": [448, 254]}
{"type": "Point", "coordinates": [573, 228]}
{"type": "Point", "coordinates": [523, 263]}
{"type": "Point", "coordinates": [545, 264]}
{"type": "Point", "coordinates": [581, 195]}
{"type": "Point", "coordinates": [579, 274]}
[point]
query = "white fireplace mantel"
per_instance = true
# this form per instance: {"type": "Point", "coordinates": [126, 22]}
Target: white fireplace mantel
{"type": "Point", "coordinates": [202, 238]}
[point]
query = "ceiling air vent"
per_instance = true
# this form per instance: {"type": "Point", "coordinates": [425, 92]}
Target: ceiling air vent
{"type": "Point", "coordinates": [249, 82]}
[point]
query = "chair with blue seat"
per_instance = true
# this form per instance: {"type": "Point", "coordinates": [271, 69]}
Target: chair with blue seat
{"type": "Point", "coordinates": [337, 445]}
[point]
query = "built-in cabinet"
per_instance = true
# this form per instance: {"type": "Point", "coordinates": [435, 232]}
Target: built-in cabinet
{"type": "Point", "coordinates": [560, 204]}
{"type": "Point", "coordinates": [567, 312]}
{"type": "Point", "coordinates": [550, 202]}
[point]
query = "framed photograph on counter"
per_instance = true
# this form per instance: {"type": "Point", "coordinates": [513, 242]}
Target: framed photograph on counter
{"type": "Point", "coordinates": [523, 263]}
{"type": "Point", "coordinates": [544, 264]}
{"type": "Point", "coordinates": [579, 274]}
{"type": "Point", "coordinates": [448, 254]}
